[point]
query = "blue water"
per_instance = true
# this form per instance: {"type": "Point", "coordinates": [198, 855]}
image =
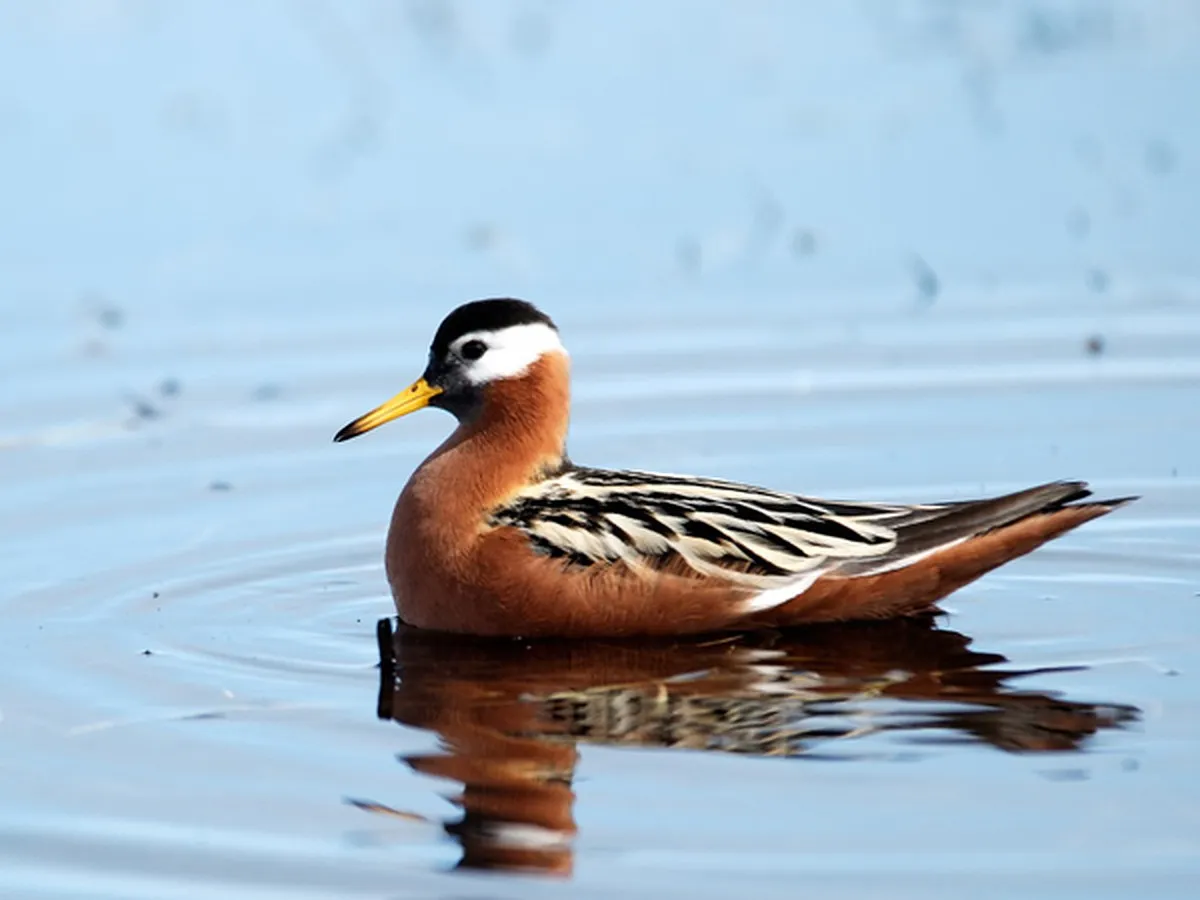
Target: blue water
{"type": "Point", "coordinates": [889, 250]}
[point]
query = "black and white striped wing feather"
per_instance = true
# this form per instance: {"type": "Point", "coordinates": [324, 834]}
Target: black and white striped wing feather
{"type": "Point", "coordinates": [760, 538]}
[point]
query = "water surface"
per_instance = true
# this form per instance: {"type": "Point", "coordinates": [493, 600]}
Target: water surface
{"type": "Point", "coordinates": [896, 252]}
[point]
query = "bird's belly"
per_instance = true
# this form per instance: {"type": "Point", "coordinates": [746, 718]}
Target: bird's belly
{"type": "Point", "coordinates": [499, 585]}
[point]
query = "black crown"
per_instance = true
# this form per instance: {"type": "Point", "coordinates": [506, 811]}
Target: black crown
{"type": "Point", "coordinates": [486, 315]}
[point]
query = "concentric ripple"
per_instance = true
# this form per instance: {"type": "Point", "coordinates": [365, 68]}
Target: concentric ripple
{"type": "Point", "coordinates": [194, 594]}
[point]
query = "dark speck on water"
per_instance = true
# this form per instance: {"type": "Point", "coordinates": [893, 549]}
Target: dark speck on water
{"type": "Point", "coordinates": [804, 243]}
{"type": "Point", "coordinates": [1160, 158]}
{"type": "Point", "coordinates": [1065, 774]}
{"type": "Point", "coordinates": [220, 486]}
{"type": "Point", "coordinates": [925, 279]}
{"type": "Point", "coordinates": [1094, 345]}
{"type": "Point", "coordinates": [109, 316]}
{"type": "Point", "coordinates": [1079, 223]}
{"type": "Point", "coordinates": [481, 237]}
{"type": "Point", "coordinates": [143, 409]}
{"type": "Point", "coordinates": [1097, 280]}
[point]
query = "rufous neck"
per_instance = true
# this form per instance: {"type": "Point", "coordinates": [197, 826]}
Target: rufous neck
{"type": "Point", "coordinates": [519, 434]}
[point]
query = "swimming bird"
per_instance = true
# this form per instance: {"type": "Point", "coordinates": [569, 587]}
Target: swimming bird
{"type": "Point", "coordinates": [498, 532]}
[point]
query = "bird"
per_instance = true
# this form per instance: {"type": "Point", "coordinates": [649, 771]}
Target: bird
{"type": "Point", "coordinates": [499, 533]}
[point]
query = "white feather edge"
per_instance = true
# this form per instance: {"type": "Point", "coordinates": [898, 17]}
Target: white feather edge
{"type": "Point", "coordinates": [777, 596]}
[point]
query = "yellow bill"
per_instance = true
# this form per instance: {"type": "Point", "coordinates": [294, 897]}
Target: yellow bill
{"type": "Point", "coordinates": [416, 396]}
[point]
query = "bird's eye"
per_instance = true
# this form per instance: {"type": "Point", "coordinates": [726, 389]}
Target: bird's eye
{"type": "Point", "coordinates": [473, 350]}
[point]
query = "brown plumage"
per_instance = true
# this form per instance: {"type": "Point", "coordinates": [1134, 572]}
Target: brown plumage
{"type": "Point", "coordinates": [498, 533]}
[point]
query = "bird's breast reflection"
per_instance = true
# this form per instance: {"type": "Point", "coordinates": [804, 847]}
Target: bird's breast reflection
{"type": "Point", "coordinates": [512, 715]}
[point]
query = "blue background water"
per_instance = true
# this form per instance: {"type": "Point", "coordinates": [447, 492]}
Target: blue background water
{"type": "Point", "coordinates": [855, 249]}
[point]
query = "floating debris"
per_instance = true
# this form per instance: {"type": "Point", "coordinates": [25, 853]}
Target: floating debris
{"type": "Point", "coordinates": [1065, 774]}
{"type": "Point", "coordinates": [110, 317]}
{"type": "Point", "coordinates": [148, 410]}
{"type": "Point", "coordinates": [220, 486]}
{"type": "Point", "coordinates": [1094, 345]}
{"type": "Point", "coordinates": [925, 279]}
{"type": "Point", "coordinates": [1160, 158]}
{"type": "Point", "coordinates": [767, 217]}
{"type": "Point", "coordinates": [804, 243]}
{"type": "Point", "coordinates": [1097, 280]}
{"type": "Point", "coordinates": [689, 255]}
{"type": "Point", "coordinates": [481, 237]}
{"type": "Point", "coordinates": [436, 22]}
{"type": "Point", "coordinates": [143, 410]}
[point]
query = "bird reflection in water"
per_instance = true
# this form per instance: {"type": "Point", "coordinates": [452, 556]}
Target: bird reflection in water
{"type": "Point", "coordinates": [513, 714]}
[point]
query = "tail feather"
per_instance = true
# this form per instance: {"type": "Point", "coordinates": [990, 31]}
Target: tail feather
{"type": "Point", "coordinates": [973, 517]}
{"type": "Point", "coordinates": [954, 523]}
{"type": "Point", "coordinates": [915, 586]}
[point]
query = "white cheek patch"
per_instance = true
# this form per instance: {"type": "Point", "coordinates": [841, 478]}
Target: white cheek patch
{"type": "Point", "coordinates": [510, 351]}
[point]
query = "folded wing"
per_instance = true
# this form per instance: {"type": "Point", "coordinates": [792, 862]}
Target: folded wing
{"type": "Point", "coordinates": [761, 539]}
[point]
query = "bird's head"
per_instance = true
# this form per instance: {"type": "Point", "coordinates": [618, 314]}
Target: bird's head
{"type": "Point", "coordinates": [477, 345]}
